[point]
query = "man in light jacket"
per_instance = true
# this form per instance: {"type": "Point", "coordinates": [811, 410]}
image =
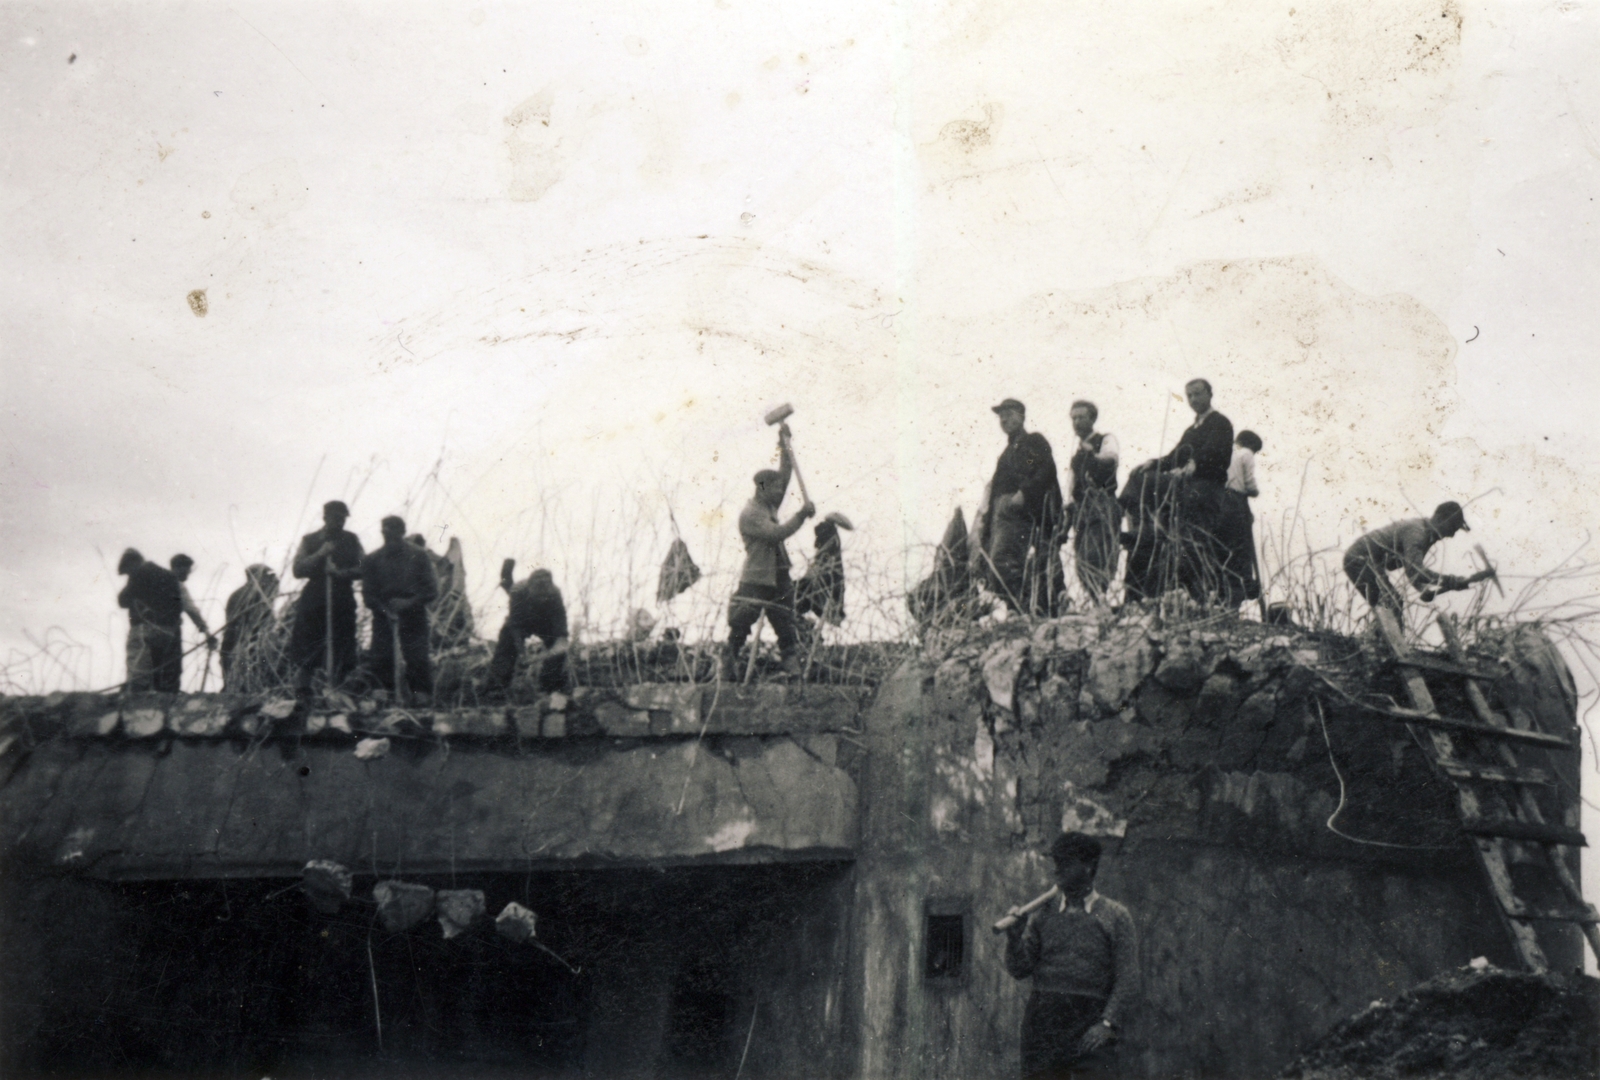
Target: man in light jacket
{"type": "Point", "coordinates": [764, 584]}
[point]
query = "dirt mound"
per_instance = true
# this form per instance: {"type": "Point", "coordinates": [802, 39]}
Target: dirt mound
{"type": "Point", "coordinates": [1469, 1024]}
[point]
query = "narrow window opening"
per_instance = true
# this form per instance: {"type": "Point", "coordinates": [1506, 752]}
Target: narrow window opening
{"type": "Point", "coordinates": [946, 949]}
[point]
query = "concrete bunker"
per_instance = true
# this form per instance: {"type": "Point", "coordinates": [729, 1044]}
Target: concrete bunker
{"type": "Point", "coordinates": [822, 860]}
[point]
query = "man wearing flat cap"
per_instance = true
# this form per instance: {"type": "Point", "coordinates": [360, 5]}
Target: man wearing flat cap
{"type": "Point", "coordinates": [1023, 519]}
{"type": "Point", "coordinates": [1082, 952]}
{"type": "Point", "coordinates": [1404, 545]}
{"type": "Point", "coordinates": [328, 561]}
{"type": "Point", "coordinates": [764, 584]}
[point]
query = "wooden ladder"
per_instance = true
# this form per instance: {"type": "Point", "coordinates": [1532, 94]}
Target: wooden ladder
{"type": "Point", "coordinates": [1495, 794]}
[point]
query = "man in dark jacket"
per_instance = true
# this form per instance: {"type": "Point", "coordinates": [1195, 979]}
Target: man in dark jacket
{"type": "Point", "coordinates": [328, 561]}
{"type": "Point", "coordinates": [1203, 454]}
{"type": "Point", "coordinates": [155, 614]}
{"type": "Point", "coordinates": [397, 584]}
{"type": "Point", "coordinates": [1023, 522]}
{"type": "Point", "coordinates": [1206, 447]}
{"type": "Point", "coordinates": [250, 619]}
{"type": "Point", "coordinates": [1082, 952]}
{"type": "Point", "coordinates": [537, 609]}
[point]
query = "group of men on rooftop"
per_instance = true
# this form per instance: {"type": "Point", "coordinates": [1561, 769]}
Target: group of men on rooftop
{"type": "Point", "coordinates": [398, 583]}
{"type": "Point", "coordinates": [1025, 523]}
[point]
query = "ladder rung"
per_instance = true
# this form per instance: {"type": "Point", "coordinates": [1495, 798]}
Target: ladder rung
{"type": "Point", "coordinates": [1585, 914]}
{"type": "Point", "coordinates": [1446, 667]}
{"type": "Point", "coordinates": [1499, 774]}
{"type": "Point", "coordinates": [1469, 727]}
{"type": "Point", "coordinates": [1525, 830]}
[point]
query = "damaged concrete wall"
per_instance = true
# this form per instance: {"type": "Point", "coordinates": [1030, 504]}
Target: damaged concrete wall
{"type": "Point", "coordinates": [1206, 757]}
{"type": "Point", "coordinates": [1201, 757]}
{"type": "Point", "coordinates": [461, 790]}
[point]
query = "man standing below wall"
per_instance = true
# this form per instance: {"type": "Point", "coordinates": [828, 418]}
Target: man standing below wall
{"type": "Point", "coordinates": [1081, 951]}
{"type": "Point", "coordinates": [1094, 514]}
{"type": "Point", "coordinates": [398, 584]}
{"type": "Point", "coordinates": [1024, 514]}
{"type": "Point", "coordinates": [764, 584]}
{"type": "Point", "coordinates": [155, 615]}
{"type": "Point", "coordinates": [328, 561]}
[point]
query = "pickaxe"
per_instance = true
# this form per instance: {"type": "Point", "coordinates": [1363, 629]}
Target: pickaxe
{"type": "Point", "coordinates": [1489, 569]}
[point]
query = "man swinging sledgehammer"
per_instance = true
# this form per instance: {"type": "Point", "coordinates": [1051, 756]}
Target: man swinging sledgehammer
{"type": "Point", "coordinates": [764, 585]}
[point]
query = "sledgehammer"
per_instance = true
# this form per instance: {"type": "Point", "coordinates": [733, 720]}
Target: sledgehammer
{"type": "Point", "coordinates": [778, 416]}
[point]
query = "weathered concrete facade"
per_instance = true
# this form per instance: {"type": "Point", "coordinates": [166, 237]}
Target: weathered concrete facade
{"type": "Point", "coordinates": [745, 874]}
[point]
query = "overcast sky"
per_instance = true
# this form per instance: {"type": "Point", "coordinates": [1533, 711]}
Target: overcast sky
{"type": "Point", "coordinates": [532, 273]}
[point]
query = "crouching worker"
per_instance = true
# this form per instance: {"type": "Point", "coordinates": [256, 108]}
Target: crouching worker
{"type": "Point", "coordinates": [1404, 545]}
{"type": "Point", "coordinates": [398, 584]}
{"type": "Point", "coordinates": [764, 584]}
{"type": "Point", "coordinates": [536, 609]}
{"type": "Point", "coordinates": [1081, 951]}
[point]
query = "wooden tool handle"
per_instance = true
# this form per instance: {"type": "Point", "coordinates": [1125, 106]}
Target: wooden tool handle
{"type": "Point", "coordinates": [794, 463]}
{"type": "Point", "coordinates": [1009, 920]}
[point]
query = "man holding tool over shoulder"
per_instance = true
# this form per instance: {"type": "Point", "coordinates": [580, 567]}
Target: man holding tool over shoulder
{"type": "Point", "coordinates": [1081, 950]}
{"type": "Point", "coordinates": [764, 585]}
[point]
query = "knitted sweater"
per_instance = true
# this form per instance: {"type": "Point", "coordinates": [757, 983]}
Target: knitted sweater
{"type": "Point", "coordinates": [1069, 950]}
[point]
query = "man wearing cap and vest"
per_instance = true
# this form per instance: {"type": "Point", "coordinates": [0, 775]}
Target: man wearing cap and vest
{"type": "Point", "coordinates": [328, 561]}
{"type": "Point", "coordinates": [1094, 514]}
{"type": "Point", "coordinates": [1404, 545]}
{"type": "Point", "coordinates": [1024, 513]}
{"type": "Point", "coordinates": [1082, 952]}
{"type": "Point", "coordinates": [764, 585]}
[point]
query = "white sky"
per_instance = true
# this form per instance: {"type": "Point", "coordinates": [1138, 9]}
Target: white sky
{"type": "Point", "coordinates": [528, 272]}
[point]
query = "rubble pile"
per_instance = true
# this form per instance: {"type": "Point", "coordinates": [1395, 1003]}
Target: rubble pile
{"type": "Point", "coordinates": [1263, 734]}
{"type": "Point", "coordinates": [1475, 1023]}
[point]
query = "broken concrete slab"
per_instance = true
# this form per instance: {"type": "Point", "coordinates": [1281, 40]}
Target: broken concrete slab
{"type": "Point", "coordinates": [526, 719]}
{"type": "Point", "coordinates": [619, 721]}
{"type": "Point", "coordinates": [1183, 667]}
{"type": "Point", "coordinates": [681, 701]}
{"type": "Point", "coordinates": [402, 904]}
{"type": "Point", "coordinates": [143, 723]}
{"type": "Point", "coordinates": [458, 909]}
{"type": "Point", "coordinates": [1001, 663]}
{"type": "Point", "coordinates": [471, 723]}
{"type": "Point", "coordinates": [199, 718]}
{"type": "Point", "coordinates": [1118, 665]}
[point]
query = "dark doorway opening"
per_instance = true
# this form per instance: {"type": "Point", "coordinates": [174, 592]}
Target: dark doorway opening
{"type": "Point", "coordinates": [648, 972]}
